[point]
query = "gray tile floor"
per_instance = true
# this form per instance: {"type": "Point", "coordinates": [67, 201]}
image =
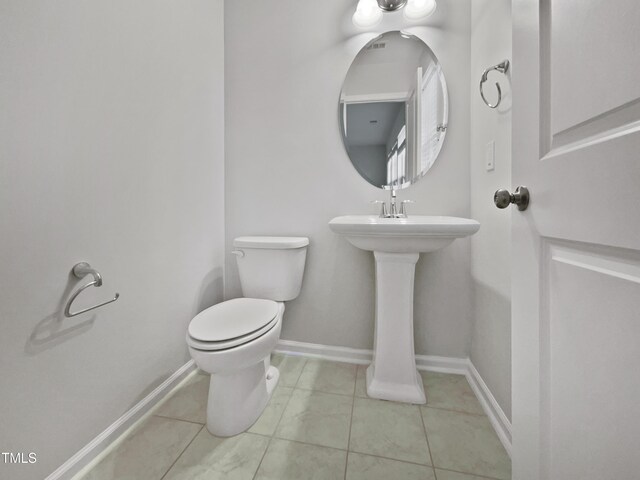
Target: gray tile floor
{"type": "Point", "coordinates": [319, 425]}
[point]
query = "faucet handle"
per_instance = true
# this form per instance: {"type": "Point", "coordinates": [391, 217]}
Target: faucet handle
{"type": "Point", "coordinates": [403, 209]}
{"type": "Point", "coordinates": [383, 211]}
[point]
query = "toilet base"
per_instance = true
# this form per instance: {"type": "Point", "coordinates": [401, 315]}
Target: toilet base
{"type": "Point", "coordinates": [238, 399]}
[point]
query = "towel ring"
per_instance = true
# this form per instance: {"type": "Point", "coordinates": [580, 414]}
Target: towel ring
{"type": "Point", "coordinates": [81, 270]}
{"type": "Point", "coordinates": [502, 68]}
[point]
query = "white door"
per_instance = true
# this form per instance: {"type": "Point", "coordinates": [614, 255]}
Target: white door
{"type": "Point", "coordinates": [576, 250]}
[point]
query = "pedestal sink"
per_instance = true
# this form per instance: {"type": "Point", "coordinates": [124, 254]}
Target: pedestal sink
{"type": "Point", "coordinates": [396, 244]}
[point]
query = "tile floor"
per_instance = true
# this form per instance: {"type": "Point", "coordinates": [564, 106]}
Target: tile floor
{"type": "Point", "coordinates": [319, 425]}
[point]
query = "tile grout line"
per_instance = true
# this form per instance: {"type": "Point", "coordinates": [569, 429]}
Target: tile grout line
{"type": "Point", "coordinates": [324, 391]}
{"type": "Point", "coordinates": [295, 386]}
{"type": "Point", "coordinates": [426, 435]}
{"type": "Point", "coordinates": [364, 454]}
{"type": "Point", "coordinates": [262, 458]}
{"type": "Point", "coordinates": [466, 473]}
{"type": "Point", "coordinates": [179, 419]}
{"type": "Point", "coordinates": [459, 412]}
{"type": "Point", "coordinates": [182, 453]}
{"type": "Point", "coordinates": [346, 464]}
{"type": "Point", "coordinates": [310, 444]}
{"type": "Point", "coordinates": [353, 404]}
{"type": "Point", "coordinates": [392, 459]}
{"type": "Point", "coordinates": [272, 436]}
{"type": "Point", "coordinates": [446, 469]}
{"type": "Point", "coordinates": [300, 374]}
{"type": "Point", "coordinates": [463, 412]}
{"type": "Point", "coordinates": [380, 456]}
{"type": "Point", "coordinates": [482, 413]}
{"type": "Point", "coordinates": [348, 450]}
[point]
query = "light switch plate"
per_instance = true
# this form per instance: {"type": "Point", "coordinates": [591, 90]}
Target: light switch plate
{"type": "Point", "coordinates": [490, 156]}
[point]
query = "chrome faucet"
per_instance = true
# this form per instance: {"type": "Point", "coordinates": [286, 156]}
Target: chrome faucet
{"type": "Point", "coordinates": [392, 211]}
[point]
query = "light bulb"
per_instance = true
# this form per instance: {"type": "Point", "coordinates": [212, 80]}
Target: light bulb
{"type": "Point", "coordinates": [367, 14]}
{"type": "Point", "coordinates": [419, 9]}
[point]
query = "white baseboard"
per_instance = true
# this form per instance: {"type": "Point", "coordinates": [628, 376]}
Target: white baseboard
{"type": "Point", "coordinates": [324, 352]}
{"type": "Point", "coordinates": [432, 363]}
{"type": "Point", "coordinates": [497, 417]}
{"type": "Point", "coordinates": [460, 366]}
{"type": "Point", "coordinates": [99, 444]}
{"type": "Point", "coordinates": [363, 356]}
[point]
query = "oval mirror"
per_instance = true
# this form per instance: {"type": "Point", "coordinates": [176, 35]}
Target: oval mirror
{"type": "Point", "coordinates": [393, 110]}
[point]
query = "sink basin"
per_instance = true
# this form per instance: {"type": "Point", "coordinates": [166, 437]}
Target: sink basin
{"type": "Point", "coordinates": [396, 244]}
{"type": "Point", "coordinates": [414, 234]}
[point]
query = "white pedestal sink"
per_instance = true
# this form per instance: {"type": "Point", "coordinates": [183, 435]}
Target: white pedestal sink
{"type": "Point", "coordinates": [396, 244]}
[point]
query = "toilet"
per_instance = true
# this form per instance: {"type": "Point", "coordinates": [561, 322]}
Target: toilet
{"type": "Point", "coordinates": [233, 340]}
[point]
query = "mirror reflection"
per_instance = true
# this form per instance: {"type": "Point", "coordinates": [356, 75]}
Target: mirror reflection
{"type": "Point", "coordinates": [393, 110]}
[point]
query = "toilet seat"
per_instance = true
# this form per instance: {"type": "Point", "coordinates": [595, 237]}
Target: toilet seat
{"type": "Point", "coordinates": [232, 323]}
{"type": "Point", "coordinates": [235, 342]}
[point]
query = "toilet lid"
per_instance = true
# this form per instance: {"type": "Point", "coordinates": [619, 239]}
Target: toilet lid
{"type": "Point", "coordinates": [278, 243]}
{"type": "Point", "coordinates": [232, 319]}
{"type": "Point", "coordinates": [234, 342]}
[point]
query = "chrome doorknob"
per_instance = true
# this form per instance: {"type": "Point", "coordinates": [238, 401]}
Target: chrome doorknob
{"type": "Point", "coordinates": [503, 198]}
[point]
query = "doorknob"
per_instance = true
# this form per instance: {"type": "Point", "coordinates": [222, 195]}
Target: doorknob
{"type": "Point", "coordinates": [502, 198]}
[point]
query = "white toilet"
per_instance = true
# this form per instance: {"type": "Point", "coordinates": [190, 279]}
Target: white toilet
{"type": "Point", "coordinates": [233, 340]}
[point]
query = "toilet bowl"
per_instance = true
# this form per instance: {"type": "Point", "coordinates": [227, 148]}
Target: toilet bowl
{"type": "Point", "coordinates": [233, 340]}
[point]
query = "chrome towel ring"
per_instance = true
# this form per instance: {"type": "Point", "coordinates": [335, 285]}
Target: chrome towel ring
{"type": "Point", "coordinates": [81, 270]}
{"type": "Point", "coordinates": [502, 68]}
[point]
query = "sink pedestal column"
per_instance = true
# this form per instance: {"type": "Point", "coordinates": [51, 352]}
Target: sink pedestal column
{"type": "Point", "coordinates": [393, 374]}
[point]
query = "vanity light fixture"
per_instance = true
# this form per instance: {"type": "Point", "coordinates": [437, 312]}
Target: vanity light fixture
{"type": "Point", "coordinates": [369, 12]}
{"type": "Point", "coordinates": [391, 5]}
{"type": "Point", "coordinates": [416, 9]}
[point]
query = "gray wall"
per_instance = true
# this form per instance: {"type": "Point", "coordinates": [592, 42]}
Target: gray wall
{"type": "Point", "coordinates": [490, 247]}
{"type": "Point", "coordinates": [111, 151]}
{"type": "Point", "coordinates": [287, 172]}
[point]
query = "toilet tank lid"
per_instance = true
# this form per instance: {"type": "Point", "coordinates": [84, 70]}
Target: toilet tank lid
{"type": "Point", "coordinates": [271, 242]}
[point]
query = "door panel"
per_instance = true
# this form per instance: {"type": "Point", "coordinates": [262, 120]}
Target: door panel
{"type": "Point", "coordinates": [591, 193]}
{"type": "Point", "coordinates": [576, 250]}
{"type": "Point", "coordinates": [589, 121]}
{"type": "Point", "coordinates": [591, 63]}
{"type": "Point", "coordinates": [590, 344]}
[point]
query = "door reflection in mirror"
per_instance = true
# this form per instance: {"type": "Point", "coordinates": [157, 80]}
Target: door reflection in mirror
{"type": "Point", "coordinates": [394, 109]}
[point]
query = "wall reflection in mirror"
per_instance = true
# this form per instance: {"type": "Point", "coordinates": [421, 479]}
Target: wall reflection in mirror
{"type": "Point", "coordinates": [393, 110]}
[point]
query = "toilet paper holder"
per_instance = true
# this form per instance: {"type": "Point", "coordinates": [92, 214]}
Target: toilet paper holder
{"type": "Point", "coordinates": [81, 270]}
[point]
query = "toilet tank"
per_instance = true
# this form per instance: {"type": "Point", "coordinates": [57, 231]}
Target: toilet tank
{"type": "Point", "coordinates": [271, 267]}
